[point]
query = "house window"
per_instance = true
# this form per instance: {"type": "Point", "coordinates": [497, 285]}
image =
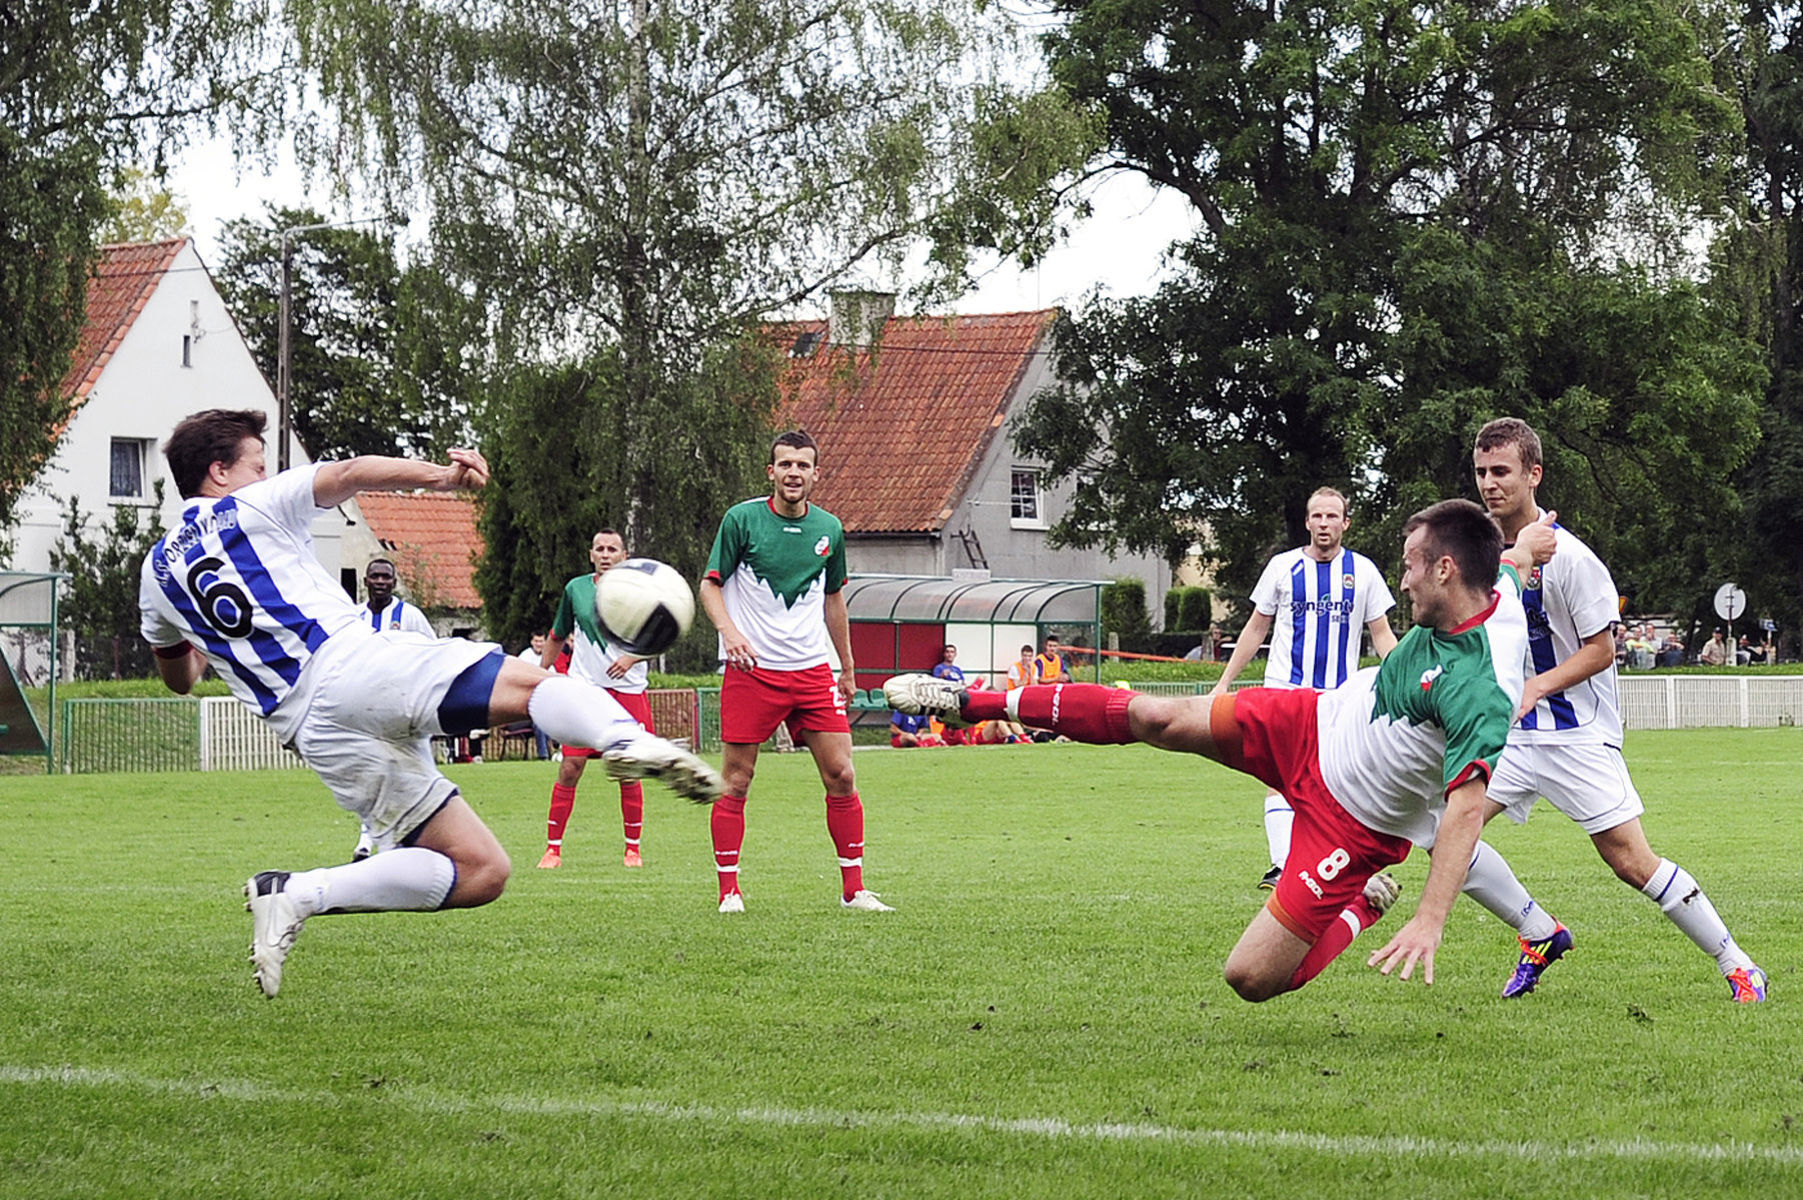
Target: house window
{"type": "Point", "coordinates": [126, 475]}
{"type": "Point", "coordinates": [1024, 508]}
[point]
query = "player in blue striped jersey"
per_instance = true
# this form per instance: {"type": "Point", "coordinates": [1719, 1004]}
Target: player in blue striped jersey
{"type": "Point", "coordinates": [235, 586]}
{"type": "Point", "coordinates": [1316, 602]}
{"type": "Point", "coordinates": [384, 610]}
{"type": "Point", "coordinates": [1566, 743]}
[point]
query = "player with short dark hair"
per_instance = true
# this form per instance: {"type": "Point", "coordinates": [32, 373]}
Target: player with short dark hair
{"type": "Point", "coordinates": [235, 586]}
{"type": "Point", "coordinates": [595, 660]}
{"type": "Point", "coordinates": [773, 590]}
{"type": "Point", "coordinates": [1316, 602]}
{"type": "Point", "coordinates": [1566, 744]}
{"type": "Point", "coordinates": [383, 609]}
{"type": "Point", "coordinates": [1400, 754]}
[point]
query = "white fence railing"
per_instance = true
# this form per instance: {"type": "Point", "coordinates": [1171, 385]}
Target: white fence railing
{"type": "Point", "coordinates": [232, 738]}
{"type": "Point", "coordinates": [1702, 701]}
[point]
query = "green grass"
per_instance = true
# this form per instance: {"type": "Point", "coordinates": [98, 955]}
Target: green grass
{"type": "Point", "coordinates": [1042, 1016]}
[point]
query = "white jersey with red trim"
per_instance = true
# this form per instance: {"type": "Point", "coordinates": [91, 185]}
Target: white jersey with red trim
{"type": "Point", "coordinates": [1398, 737]}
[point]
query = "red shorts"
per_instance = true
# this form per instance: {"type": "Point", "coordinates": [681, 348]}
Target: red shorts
{"type": "Point", "coordinates": [754, 702]}
{"type": "Point", "coordinates": [637, 706]}
{"type": "Point", "coordinates": [1272, 735]}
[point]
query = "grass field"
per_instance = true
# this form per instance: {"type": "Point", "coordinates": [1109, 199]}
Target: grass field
{"type": "Point", "coordinates": [1043, 1015]}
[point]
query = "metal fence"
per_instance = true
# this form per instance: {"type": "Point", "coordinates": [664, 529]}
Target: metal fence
{"type": "Point", "coordinates": [219, 734]}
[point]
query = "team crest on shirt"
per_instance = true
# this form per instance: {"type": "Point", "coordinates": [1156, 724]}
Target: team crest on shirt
{"type": "Point", "coordinates": [1533, 583]}
{"type": "Point", "coordinates": [824, 546]}
{"type": "Point", "coordinates": [1428, 676]}
{"type": "Point", "coordinates": [1346, 580]}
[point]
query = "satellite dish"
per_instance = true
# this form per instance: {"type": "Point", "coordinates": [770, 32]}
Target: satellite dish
{"type": "Point", "coordinates": [1730, 602]}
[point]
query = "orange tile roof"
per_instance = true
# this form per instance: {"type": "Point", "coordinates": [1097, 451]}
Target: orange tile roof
{"type": "Point", "coordinates": [123, 280]}
{"type": "Point", "coordinates": [901, 434]}
{"type": "Point", "coordinates": [433, 539]}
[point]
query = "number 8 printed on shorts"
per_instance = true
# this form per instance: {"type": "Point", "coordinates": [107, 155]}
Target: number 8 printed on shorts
{"type": "Point", "coordinates": [1333, 864]}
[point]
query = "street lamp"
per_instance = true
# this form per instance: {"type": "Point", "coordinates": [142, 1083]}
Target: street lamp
{"type": "Point", "coordinates": [283, 373]}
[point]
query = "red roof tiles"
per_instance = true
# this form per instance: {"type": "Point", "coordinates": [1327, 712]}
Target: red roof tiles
{"type": "Point", "coordinates": [901, 433]}
{"type": "Point", "coordinates": [433, 540]}
{"type": "Point", "coordinates": [124, 278]}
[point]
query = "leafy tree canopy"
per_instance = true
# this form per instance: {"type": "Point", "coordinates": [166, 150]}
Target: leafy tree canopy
{"type": "Point", "coordinates": [87, 90]}
{"type": "Point", "coordinates": [385, 357]}
{"type": "Point", "coordinates": [1408, 213]}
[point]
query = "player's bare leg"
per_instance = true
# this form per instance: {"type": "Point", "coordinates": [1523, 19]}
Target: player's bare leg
{"type": "Point", "coordinates": [454, 861]}
{"type": "Point", "coordinates": [1265, 959]}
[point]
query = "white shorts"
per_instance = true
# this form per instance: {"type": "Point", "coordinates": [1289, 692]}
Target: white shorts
{"type": "Point", "coordinates": [368, 732]}
{"type": "Point", "coordinates": [1587, 781]}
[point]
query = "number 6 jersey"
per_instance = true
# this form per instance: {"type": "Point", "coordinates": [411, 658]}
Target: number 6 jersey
{"type": "Point", "coordinates": [239, 579]}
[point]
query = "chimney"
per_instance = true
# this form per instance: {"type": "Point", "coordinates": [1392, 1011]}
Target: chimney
{"type": "Point", "coordinates": [856, 318]}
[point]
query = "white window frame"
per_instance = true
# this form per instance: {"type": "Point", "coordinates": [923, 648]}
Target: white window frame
{"type": "Point", "coordinates": [144, 465]}
{"type": "Point", "coordinates": [1016, 521]}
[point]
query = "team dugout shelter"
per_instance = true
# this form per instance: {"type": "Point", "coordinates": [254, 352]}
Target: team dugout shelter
{"type": "Point", "coordinates": [901, 623]}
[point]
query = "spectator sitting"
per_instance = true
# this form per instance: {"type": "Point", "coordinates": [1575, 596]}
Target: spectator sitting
{"type": "Point", "coordinates": [1640, 647]}
{"type": "Point", "coordinates": [1716, 652]}
{"type": "Point", "coordinates": [1020, 674]}
{"type": "Point", "coordinates": [1743, 653]}
{"type": "Point", "coordinates": [1671, 651]}
{"type": "Point", "coordinates": [1621, 646]}
{"type": "Point", "coordinates": [909, 729]}
{"type": "Point", "coordinates": [947, 667]}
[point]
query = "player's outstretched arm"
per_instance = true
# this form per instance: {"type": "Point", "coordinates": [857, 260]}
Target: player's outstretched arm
{"type": "Point", "coordinates": [1454, 845]}
{"type": "Point", "coordinates": [337, 482]}
{"type": "Point", "coordinates": [1251, 638]}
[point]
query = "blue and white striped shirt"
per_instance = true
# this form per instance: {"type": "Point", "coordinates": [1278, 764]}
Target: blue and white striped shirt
{"type": "Point", "coordinates": [1318, 613]}
{"type": "Point", "coordinates": [239, 579]}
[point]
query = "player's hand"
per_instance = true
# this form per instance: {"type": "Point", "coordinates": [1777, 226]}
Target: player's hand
{"type": "Point", "coordinates": [1413, 943]}
{"type": "Point", "coordinates": [467, 471]}
{"type": "Point", "coordinates": [1536, 543]}
{"type": "Point", "coordinates": [738, 651]}
{"type": "Point", "coordinates": [1532, 692]}
{"type": "Point", "coordinates": [618, 667]}
{"type": "Point", "coordinates": [848, 683]}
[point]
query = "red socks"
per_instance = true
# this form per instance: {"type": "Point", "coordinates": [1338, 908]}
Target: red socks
{"type": "Point", "coordinates": [632, 811]}
{"type": "Point", "coordinates": [563, 799]}
{"type": "Point", "coordinates": [1083, 712]}
{"type": "Point", "coordinates": [1353, 920]}
{"type": "Point", "coordinates": [728, 825]}
{"type": "Point", "coordinates": [845, 822]}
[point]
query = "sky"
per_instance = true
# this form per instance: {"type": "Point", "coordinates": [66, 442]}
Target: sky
{"type": "Point", "coordinates": [1119, 249]}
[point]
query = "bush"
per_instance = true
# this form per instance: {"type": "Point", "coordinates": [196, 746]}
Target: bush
{"type": "Point", "coordinates": [1188, 608]}
{"type": "Point", "coordinates": [1124, 609]}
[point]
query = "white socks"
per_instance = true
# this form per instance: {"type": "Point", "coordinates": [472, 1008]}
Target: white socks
{"type": "Point", "coordinates": [1279, 817]}
{"type": "Point", "coordinates": [580, 714]}
{"type": "Point", "coordinates": [1491, 882]}
{"type": "Point", "coordinates": [409, 879]}
{"type": "Point", "coordinates": [1679, 897]}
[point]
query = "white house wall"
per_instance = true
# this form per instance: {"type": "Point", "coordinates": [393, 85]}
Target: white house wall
{"type": "Point", "coordinates": [142, 393]}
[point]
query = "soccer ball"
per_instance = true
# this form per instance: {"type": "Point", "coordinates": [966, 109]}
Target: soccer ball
{"type": "Point", "coordinates": [643, 606]}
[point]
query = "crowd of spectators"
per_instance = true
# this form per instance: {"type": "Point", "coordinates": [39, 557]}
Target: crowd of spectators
{"type": "Point", "coordinates": [1640, 647]}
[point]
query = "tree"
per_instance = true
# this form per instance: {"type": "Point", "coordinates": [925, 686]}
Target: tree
{"type": "Point", "coordinates": [1346, 161]}
{"type": "Point", "coordinates": [100, 601]}
{"type": "Point", "coordinates": [634, 188]}
{"type": "Point", "coordinates": [385, 358]}
{"type": "Point", "coordinates": [85, 91]}
{"type": "Point", "coordinates": [141, 210]}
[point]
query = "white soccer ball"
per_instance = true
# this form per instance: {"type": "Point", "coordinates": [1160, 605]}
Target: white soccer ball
{"type": "Point", "coordinates": [643, 606]}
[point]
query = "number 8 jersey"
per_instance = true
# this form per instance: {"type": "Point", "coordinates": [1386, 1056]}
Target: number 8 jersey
{"type": "Point", "coordinates": [239, 578]}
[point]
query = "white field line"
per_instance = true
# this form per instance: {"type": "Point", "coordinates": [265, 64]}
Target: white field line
{"type": "Point", "coordinates": [1049, 1128]}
